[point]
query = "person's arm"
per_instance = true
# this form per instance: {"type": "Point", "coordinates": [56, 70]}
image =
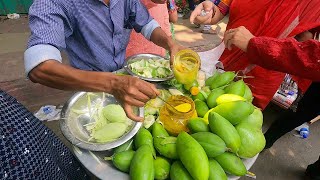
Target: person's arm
{"type": "Point", "coordinates": [215, 12]}
{"type": "Point", "coordinates": [151, 30]}
{"type": "Point", "coordinates": [43, 61]}
{"type": "Point", "coordinates": [284, 55]}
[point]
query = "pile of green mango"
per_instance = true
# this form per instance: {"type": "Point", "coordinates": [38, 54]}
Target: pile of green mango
{"type": "Point", "coordinates": [228, 129]}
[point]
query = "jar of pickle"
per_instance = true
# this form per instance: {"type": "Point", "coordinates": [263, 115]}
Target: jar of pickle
{"type": "Point", "coordinates": [175, 119]}
{"type": "Point", "coordinates": [186, 65]}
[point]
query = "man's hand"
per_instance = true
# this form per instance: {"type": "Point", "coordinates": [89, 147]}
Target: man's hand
{"type": "Point", "coordinates": [174, 50]}
{"type": "Point", "coordinates": [131, 91]}
{"type": "Point", "coordinates": [196, 16]}
{"type": "Point", "coordinates": [159, 1]}
{"type": "Point", "coordinates": [239, 37]}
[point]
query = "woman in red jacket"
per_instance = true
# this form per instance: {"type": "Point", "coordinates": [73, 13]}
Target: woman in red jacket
{"type": "Point", "coordinates": [288, 56]}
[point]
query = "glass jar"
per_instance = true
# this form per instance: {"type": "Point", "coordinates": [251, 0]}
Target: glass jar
{"type": "Point", "coordinates": [175, 121]}
{"type": "Point", "coordinates": [186, 66]}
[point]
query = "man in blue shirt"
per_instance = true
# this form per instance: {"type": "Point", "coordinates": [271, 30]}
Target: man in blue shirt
{"type": "Point", "coordinates": [95, 34]}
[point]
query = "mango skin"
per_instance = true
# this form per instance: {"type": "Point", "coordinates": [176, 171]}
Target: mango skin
{"type": "Point", "coordinates": [144, 137]}
{"type": "Point", "coordinates": [234, 111]}
{"type": "Point", "coordinates": [212, 98]}
{"type": "Point", "coordinates": [212, 144]}
{"type": "Point", "coordinates": [122, 160]}
{"type": "Point", "coordinates": [161, 168]}
{"type": "Point", "coordinates": [166, 150]}
{"type": "Point", "coordinates": [179, 172]}
{"type": "Point", "coordinates": [196, 125]}
{"type": "Point", "coordinates": [255, 119]}
{"type": "Point", "coordinates": [225, 130]}
{"type": "Point", "coordinates": [237, 88]}
{"type": "Point", "coordinates": [248, 94]}
{"type": "Point", "coordinates": [216, 171]}
{"type": "Point", "coordinates": [231, 164]}
{"type": "Point", "coordinates": [252, 140]}
{"type": "Point", "coordinates": [193, 156]}
{"type": "Point", "coordinates": [142, 167]}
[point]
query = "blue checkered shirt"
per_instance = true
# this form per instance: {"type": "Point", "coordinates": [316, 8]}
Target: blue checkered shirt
{"type": "Point", "coordinates": [93, 34]}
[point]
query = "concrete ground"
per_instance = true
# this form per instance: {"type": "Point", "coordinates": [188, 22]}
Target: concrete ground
{"type": "Point", "coordinates": [287, 159]}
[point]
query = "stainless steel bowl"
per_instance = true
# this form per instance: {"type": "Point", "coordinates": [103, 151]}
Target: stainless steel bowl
{"type": "Point", "coordinates": [72, 122]}
{"type": "Point", "coordinates": [139, 57]}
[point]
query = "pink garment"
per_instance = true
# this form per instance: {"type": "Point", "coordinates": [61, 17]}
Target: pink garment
{"type": "Point", "coordinates": [139, 44]}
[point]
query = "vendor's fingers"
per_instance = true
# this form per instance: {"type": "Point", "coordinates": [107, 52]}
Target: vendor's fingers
{"type": "Point", "coordinates": [141, 97]}
{"type": "Point", "coordinates": [149, 89]}
{"type": "Point", "coordinates": [128, 109]}
{"type": "Point", "coordinates": [196, 12]}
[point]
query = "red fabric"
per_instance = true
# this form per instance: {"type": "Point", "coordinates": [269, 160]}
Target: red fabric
{"type": "Point", "coordinates": [268, 18]}
{"type": "Point", "coordinates": [287, 55]}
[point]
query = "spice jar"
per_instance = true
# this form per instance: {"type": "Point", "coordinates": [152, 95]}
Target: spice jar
{"type": "Point", "coordinates": [175, 121]}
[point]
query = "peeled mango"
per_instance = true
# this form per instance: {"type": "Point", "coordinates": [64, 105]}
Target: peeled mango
{"type": "Point", "coordinates": [160, 135]}
{"type": "Point", "coordinates": [237, 88]}
{"type": "Point", "coordinates": [252, 140]}
{"type": "Point", "coordinates": [225, 130]}
{"type": "Point", "coordinates": [114, 113]}
{"type": "Point", "coordinates": [231, 164]}
{"type": "Point", "coordinates": [193, 156]}
{"type": "Point", "coordinates": [255, 119]}
{"type": "Point", "coordinates": [211, 143]}
{"type": "Point", "coordinates": [109, 132]}
{"type": "Point", "coordinates": [216, 171]}
{"type": "Point", "coordinates": [234, 111]}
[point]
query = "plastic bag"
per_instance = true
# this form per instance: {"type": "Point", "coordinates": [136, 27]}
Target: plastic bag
{"type": "Point", "coordinates": [48, 113]}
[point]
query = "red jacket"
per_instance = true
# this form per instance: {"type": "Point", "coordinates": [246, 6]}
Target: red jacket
{"type": "Point", "coordinates": [286, 55]}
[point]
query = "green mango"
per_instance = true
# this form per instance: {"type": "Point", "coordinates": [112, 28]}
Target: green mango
{"type": "Point", "coordinates": [234, 111]}
{"type": "Point", "coordinates": [201, 107]}
{"type": "Point", "coordinates": [255, 119]}
{"type": "Point", "coordinates": [216, 171]}
{"type": "Point", "coordinates": [199, 96]}
{"type": "Point", "coordinates": [179, 172]}
{"type": "Point", "coordinates": [193, 156]}
{"type": "Point", "coordinates": [211, 143]}
{"type": "Point", "coordinates": [210, 80]}
{"type": "Point", "coordinates": [222, 79]}
{"type": "Point", "coordinates": [142, 167]}
{"type": "Point", "coordinates": [122, 160]}
{"type": "Point", "coordinates": [211, 100]}
{"type": "Point", "coordinates": [197, 125]}
{"type": "Point", "coordinates": [237, 88]}
{"type": "Point", "coordinates": [248, 94]}
{"type": "Point", "coordinates": [225, 130]}
{"type": "Point", "coordinates": [252, 141]}
{"type": "Point", "coordinates": [124, 147]}
{"type": "Point", "coordinates": [160, 136]}
{"type": "Point", "coordinates": [231, 164]}
{"type": "Point", "coordinates": [161, 168]}
{"type": "Point", "coordinates": [144, 137]}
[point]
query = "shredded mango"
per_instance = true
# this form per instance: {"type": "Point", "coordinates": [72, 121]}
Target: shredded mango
{"type": "Point", "coordinates": [185, 107]}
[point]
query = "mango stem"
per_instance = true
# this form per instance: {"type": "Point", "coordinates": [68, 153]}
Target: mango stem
{"type": "Point", "coordinates": [108, 158]}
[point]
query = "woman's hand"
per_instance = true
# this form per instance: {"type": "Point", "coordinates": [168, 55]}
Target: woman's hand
{"type": "Point", "coordinates": [131, 91]}
{"type": "Point", "coordinates": [197, 16]}
{"type": "Point", "coordinates": [239, 37]}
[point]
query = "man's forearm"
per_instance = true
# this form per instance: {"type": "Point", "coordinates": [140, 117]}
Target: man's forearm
{"type": "Point", "coordinates": [56, 75]}
{"type": "Point", "coordinates": [160, 38]}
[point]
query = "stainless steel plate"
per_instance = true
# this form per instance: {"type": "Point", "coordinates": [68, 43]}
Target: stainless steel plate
{"type": "Point", "coordinates": [139, 57]}
{"type": "Point", "coordinates": [72, 122]}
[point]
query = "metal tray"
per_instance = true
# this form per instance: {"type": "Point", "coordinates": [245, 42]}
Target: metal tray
{"type": "Point", "coordinates": [138, 57]}
{"type": "Point", "coordinates": [71, 123]}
